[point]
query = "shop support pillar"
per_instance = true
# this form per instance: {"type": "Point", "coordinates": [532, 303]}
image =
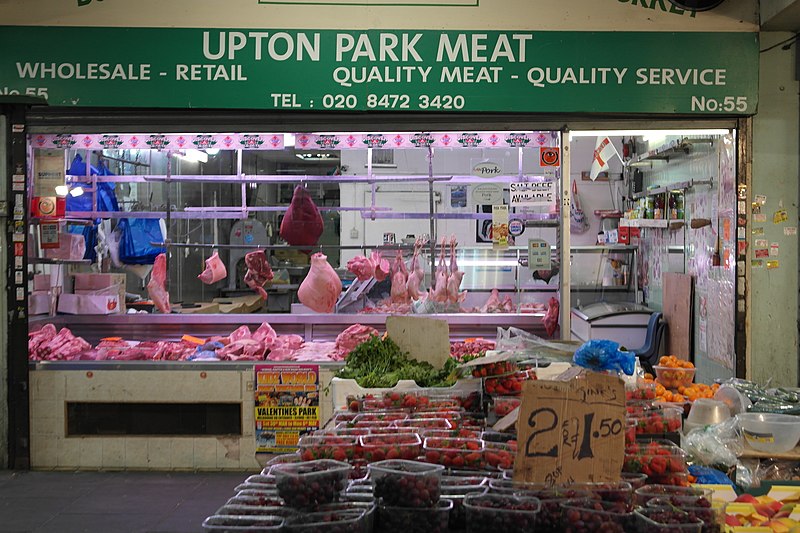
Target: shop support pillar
{"type": "Point", "coordinates": [13, 215]}
{"type": "Point", "coordinates": [744, 171]}
{"type": "Point", "coordinates": [565, 311]}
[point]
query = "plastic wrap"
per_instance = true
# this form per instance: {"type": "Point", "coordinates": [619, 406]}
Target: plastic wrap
{"type": "Point", "coordinates": [602, 355]}
{"type": "Point", "coordinates": [137, 235]}
{"type": "Point", "coordinates": [517, 340]}
{"type": "Point", "coordinates": [718, 444]}
{"type": "Point", "coordinates": [772, 470]}
{"type": "Point", "coordinates": [775, 400]}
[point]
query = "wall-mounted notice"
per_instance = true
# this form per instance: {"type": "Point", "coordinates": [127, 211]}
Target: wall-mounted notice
{"type": "Point", "coordinates": [571, 431]}
{"type": "Point", "coordinates": [287, 405]}
{"type": "Point", "coordinates": [533, 193]}
{"type": "Point", "coordinates": [487, 194]}
{"type": "Point", "coordinates": [538, 254]}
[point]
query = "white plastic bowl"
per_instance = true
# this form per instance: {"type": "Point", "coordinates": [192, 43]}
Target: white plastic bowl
{"type": "Point", "coordinates": [770, 433]}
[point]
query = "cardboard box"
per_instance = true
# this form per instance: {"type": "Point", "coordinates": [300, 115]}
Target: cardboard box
{"type": "Point", "coordinates": [102, 285]}
{"type": "Point", "coordinates": [84, 304]}
{"type": "Point", "coordinates": [93, 281]}
{"type": "Point", "coordinates": [39, 302]}
{"type": "Point", "coordinates": [572, 429]}
{"type": "Point", "coordinates": [41, 282]}
{"type": "Point", "coordinates": [71, 246]}
{"type": "Point", "coordinates": [628, 235]}
{"type": "Point", "coordinates": [108, 291]}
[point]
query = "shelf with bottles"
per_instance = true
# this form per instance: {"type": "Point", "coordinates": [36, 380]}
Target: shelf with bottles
{"type": "Point", "coordinates": [661, 208]}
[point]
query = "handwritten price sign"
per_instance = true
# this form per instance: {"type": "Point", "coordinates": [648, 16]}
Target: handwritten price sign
{"type": "Point", "coordinates": [571, 431]}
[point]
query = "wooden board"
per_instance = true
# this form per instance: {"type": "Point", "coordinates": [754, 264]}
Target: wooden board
{"type": "Point", "coordinates": [425, 339]}
{"type": "Point", "coordinates": [239, 304]}
{"type": "Point", "coordinates": [750, 453]}
{"type": "Point", "coordinates": [678, 303]}
{"type": "Point", "coordinates": [204, 308]}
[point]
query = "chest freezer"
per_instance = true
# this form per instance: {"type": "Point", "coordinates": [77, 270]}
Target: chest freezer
{"type": "Point", "coordinates": [625, 323]}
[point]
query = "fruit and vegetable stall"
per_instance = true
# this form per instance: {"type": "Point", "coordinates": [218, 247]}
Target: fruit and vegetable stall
{"type": "Point", "coordinates": [468, 448]}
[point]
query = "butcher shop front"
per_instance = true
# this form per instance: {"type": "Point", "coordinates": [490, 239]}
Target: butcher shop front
{"type": "Point", "coordinates": [209, 210]}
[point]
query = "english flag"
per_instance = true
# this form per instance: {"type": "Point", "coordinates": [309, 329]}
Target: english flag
{"type": "Point", "coordinates": [603, 152]}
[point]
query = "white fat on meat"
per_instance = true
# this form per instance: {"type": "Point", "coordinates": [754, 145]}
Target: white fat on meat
{"type": "Point", "coordinates": [215, 270]}
{"type": "Point", "coordinates": [322, 286]}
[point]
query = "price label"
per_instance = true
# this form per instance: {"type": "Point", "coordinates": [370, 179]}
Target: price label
{"type": "Point", "coordinates": [571, 431]}
{"type": "Point", "coordinates": [48, 234]}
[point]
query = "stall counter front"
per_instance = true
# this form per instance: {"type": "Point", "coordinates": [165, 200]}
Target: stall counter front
{"type": "Point", "coordinates": [176, 397]}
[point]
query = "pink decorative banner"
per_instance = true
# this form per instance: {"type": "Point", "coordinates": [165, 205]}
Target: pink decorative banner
{"type": "Point", "coordinates": [157, 141]}
{"type": "Point", "coordinates": [303, 141]}
{"type": "Point", "coordinates": [348, 141]}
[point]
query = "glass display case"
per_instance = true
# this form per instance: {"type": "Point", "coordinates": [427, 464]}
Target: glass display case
{"type": "Point", "coordinates": [422, 207]}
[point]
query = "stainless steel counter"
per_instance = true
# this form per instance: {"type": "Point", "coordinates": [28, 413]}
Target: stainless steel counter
{"type": "Point", "coordinates": [313, 327]}
{"type": "Point", "coordinates": [166, 365]}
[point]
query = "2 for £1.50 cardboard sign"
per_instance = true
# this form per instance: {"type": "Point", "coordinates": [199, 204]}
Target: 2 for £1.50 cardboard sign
{"type": "Point", "coordinates": [571, 431]}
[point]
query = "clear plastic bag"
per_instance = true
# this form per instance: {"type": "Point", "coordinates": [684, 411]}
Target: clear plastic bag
{"type": "Point", "coordinates": [517, 340]}
{"type": "Point", "coordinates": [718, 444]}
{"type": "Point", "coordinates": [747, 473]}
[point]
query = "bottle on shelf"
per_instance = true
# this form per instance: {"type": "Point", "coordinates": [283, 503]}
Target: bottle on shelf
{"type": "Point", "coordinates": [649, 211]}
{"type": "Point", "coordinates": [673, 206]}
{"type": "Point", "coordinates": [658, 210]}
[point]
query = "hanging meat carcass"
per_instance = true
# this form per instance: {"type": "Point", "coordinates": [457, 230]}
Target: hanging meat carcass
{"type": "Point", "coordinates": [156, 288]}
{"type": "Point", "coordinates": [438, 293]}
{"type": "Point", "coordinates": [215, 270]}
{"type": "Point", "coordinates": [302, 224]}
{"type": "Point", "coordinates": [322, 286]}
{"type": "Point", "coordinates": [455, 278]}
{"type": "Point", "coordinates": [417, 274]}
{"type": "Point", "coordinates": [362, 267]}
{"type": "Point", "coordinates": [381, 265]}
{"type": "Point", "coordinates": [258, 272]}
{"type": "Point", "coordinates": [399, 292]}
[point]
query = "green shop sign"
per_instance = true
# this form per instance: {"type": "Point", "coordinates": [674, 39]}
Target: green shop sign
{"type": "Point", "coordinates": [493, 71]}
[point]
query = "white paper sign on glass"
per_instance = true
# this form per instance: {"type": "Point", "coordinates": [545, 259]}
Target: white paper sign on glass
{"type": "Point", "coordinates": [533, 193]}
